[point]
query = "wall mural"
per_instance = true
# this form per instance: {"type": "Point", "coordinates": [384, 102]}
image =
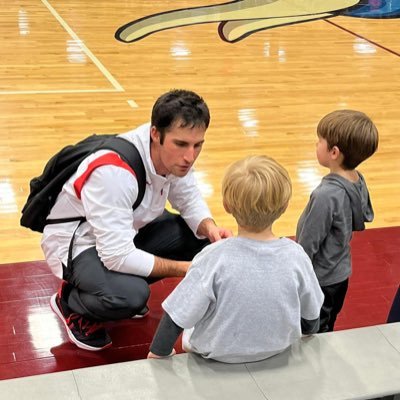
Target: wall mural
{"type": "Point", "coordinates": [241, 18]}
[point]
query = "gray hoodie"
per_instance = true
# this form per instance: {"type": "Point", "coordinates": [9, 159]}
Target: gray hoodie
{"type": "Point", "coordinates": [336, 208]}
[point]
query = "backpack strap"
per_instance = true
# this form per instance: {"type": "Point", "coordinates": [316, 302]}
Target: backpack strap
{"type": "Point", "coordinates": [130, 154]}
{"type": "Point", "coordinates": [71, 244]}
{"type": "Point", "coordinates": [105, 159]}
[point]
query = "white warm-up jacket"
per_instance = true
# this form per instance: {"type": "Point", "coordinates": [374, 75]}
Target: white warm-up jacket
{"type": "Point", "coordinates": [106, 200]}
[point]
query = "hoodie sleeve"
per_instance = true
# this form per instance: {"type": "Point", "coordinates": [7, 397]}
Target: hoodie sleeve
{"type": "Point", "coordinates": [315, 222]}
{"type": "Point", "coordinates": [366, 205]}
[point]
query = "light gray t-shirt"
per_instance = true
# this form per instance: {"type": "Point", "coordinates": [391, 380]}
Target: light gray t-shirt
{"type": "Point", "coordinates": [245, 298]}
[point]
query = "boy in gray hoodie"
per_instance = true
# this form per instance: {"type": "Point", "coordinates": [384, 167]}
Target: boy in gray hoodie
{"type": "Point", "coordinates": [338, 206]}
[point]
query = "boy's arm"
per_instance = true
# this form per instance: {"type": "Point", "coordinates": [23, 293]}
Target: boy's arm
{"type": "Point", "coordinates": [195, 293]}
{"type": "Point", "coordinates": [311, 297]}
{"type": "Point", "coordinates": [309, 326]}
{"type": "Point", "coordinates": [164, 339]}
{"type": "Point", "coordinates": [315, 223]}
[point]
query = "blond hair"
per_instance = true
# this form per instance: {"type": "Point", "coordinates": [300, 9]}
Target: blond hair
{"type": "Point", "coordinates": [352, 132]}
{"type": "Point", "coordinates": [256, 191]}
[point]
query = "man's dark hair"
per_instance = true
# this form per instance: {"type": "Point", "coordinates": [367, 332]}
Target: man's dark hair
{"type": "Point", "coordinates": [179, 105]}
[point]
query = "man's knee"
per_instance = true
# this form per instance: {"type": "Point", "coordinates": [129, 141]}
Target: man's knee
{"type": "Point", "coordinates": [125, 305]}
{"type": "Point", "coordinates": [138, 298]}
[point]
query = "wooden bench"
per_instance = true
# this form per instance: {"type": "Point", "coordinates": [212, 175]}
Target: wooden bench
{"type": "Point", "coordinates": [361, 363]}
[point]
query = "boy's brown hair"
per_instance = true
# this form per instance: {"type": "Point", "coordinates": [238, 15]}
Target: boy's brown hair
{"type": "Point", "coordinates": [352, 132]}
{"type": "Point", "coordinates": [256, 191]}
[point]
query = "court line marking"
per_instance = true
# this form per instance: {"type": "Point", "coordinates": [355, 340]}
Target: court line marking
{"type": "Point", "coordinates": [133, 103]}
{"type": "Point", "coordinates": [94, 59]}
{"type": "Point", "coordinates": [381, 46]}
{"type": "Point", "coordinates": [99, 65]}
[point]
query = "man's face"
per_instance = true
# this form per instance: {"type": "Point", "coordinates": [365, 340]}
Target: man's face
{"type": "Point", "coordinates": [179, 151]}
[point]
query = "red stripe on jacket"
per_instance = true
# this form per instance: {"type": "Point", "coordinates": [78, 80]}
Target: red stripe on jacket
{"type": "Point", "coordinates": [106, 159]}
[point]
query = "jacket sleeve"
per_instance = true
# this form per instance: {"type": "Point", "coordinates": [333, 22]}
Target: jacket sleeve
{"type": "Point", "coordinates": [107, 198]}
{"type": "Point", "coordinates": [315, 222]}
{"type": "Point", "coordinates": [185, 197]}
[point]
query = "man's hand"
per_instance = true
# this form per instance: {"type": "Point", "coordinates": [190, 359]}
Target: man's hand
{"type": "Point", "coordinates": [155, 356]}
{"type": "Point", "coordinates": [216, 233]}
{"type": "Point", "coordinates": [211, 231]}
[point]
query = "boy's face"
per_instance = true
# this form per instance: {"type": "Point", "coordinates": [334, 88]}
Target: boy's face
{"type": "Point", "coordinates": [180, 149]}
{"type": "Point", "coordinates": [323, 152]}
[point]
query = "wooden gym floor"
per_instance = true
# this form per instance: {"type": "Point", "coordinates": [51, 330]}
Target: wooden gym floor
{"type": "Point", "coordinates": [269, 70]}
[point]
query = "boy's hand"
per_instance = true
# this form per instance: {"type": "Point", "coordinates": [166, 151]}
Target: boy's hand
{"type": "Point", "coordinates": [155, 356]}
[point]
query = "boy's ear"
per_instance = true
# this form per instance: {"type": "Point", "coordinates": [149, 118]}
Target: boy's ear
{"type": "Point", "coordinates": [335, 152]}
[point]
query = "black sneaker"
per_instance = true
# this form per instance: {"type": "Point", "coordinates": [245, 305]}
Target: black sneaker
{"type": "Point", "coordinates": [85, 334]}
{"type": "Point", "coordinates": [144, 312]}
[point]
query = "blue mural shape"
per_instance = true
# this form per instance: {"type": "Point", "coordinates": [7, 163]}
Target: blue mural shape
{"type": "Point", "coordinates": [374, 9]}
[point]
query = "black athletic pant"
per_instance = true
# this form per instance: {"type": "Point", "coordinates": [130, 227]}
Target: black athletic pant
{"type": "Point", "coordinates": [394, 313]}
{"type": "Point", "coordinates": [333, 303]}
{"type": "Point", "coordinates": [104, 295]}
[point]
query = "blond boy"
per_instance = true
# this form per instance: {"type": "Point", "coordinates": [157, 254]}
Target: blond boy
{"type": "Point", "coordinates": [248, 297]}
{"type": "Point", "coordinates": [338, 206]}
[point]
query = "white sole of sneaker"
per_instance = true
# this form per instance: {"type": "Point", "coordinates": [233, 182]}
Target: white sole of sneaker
{"type": "Point", "coordinates": [72, 339]}
{"type": "Point", "coordinates": [138, 316]}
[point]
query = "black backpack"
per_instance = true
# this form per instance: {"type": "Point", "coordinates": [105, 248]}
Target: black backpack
{"type": "Point", "coordinates": [45, 188]}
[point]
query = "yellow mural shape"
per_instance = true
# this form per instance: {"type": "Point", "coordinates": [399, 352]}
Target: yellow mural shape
{"type": "Point", "coordinates": [233, 31]}
{"type": "Point", "coordinates": [240, 18]}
